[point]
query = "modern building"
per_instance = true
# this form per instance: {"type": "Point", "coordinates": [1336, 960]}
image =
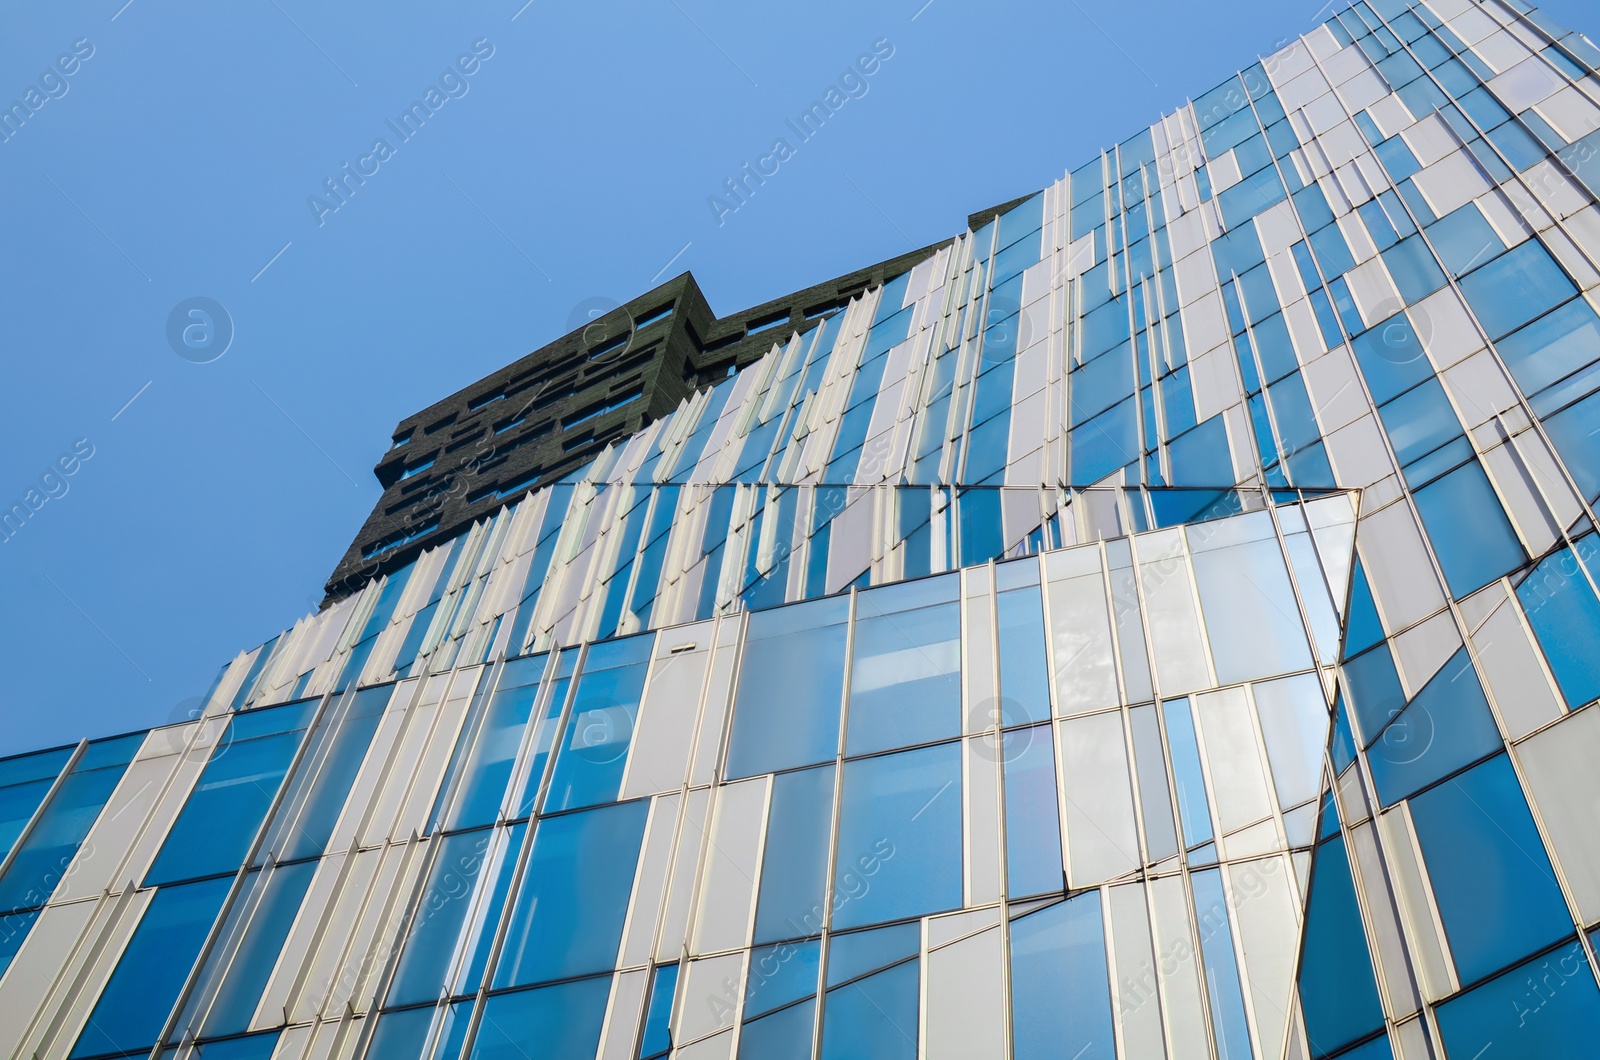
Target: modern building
{"type": "Point", "coordinates": [1160, 621]}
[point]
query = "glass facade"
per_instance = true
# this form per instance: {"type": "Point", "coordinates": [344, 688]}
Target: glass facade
{"type": "Point", "coordinates": [1159, 624]}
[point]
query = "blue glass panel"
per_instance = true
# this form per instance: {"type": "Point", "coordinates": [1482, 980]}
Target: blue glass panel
{"type": "Point", "coordinates": [1104, 444]}
{"type": "Point", "coordinates": [1414, 270]}
{"type": "Point", "coordinates": [39, 864]}
{"type": "Point", "coordinates": [432, 938]}
{"type": "Point", "coordinates": [1033, 828]}
{"type": "Point", "coordinates": [856, 953]}
{"type": "Point", "coordinates": [1470, 532]}
{"type": "Point", "coordinates": [1100, 383]}
{"type": "Point", "coordinates": [1193, 808]}
{"type": "Point", "coordinates": [141, 992]}
{"type": "Point", "coordinates": [1229, 1025]}
{"type": "Point", "coordinates": [315, 813]}
{"type": "Point", "coordinates": [1024, 668]}
{"type": "Point", "coordinates": [784, 1035]}
{"type": "Point", "coordinates": [486, 755]}
{"type": "Point", "coordinates": [1519, 286]}
{"type": "Point", "coordinates": [1060, 989]}
{"type": "Point", "coordinates": [781, 974]}
{"type": "Point", "coordinates": [502, 864]}
{"type": "Point", "coordinates": [1391, 357]}
{"type": "Point", "coordinates": [270, 920]}
{"type": "Point", "coordinates": [1420, 421]}
{"type": "Point", "coordinates": [564, 1020]}
{"type": "Point", "coordinates": [13, 933]}
{"type": "Point", "coordinates": [899, 852]}
{"type": "Point", "coordinates": [599, 732]}
{"type": "Point", "coordinates": [979, 510]}
{"type": "Point", "coordinates": [1446, 726]}
{"type": "Point", "coordinates": [214, 831]}
{"type": "Point", "coordinates": [794, 869]}
{"type": "Point", "coordinates": [791, 684]}
{"type": "Point", "coordinates": [1201, 457]}
{"type": "Point", "coordinates": [1495, 889]}
{"type": "Point", "coordinates": [1372, 686]}
{"type": "Point", "coordinates": [905, 674]}
{"type": "Point", "coordinates": [1337, 990]}
{"type": "Point", "coordinates": [1465, 239]}
{"type": "Point", "coordinates": [873, 1017]}
{"type": "Point", "coordinates": [657, 1038]}
{"type": "Point", "coordinates": [1576, 434]}
{"type": "Point", "coordinates": [568, 916]}
{"type": "Point", "coordinates": [1548, 1007]}
{"type": "Point", "coordinates": [255, 1047]}
{"type": "Point", "coordinates": [1565, 616]}
{"type": "Point", "coordinates": [1554, 347]}
{"type": "Point", "coordinates": [1362, 626]}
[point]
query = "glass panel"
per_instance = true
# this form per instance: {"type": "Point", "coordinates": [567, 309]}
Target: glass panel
{"type": "Point", "coordinates": [314, 820]}
{"type": "Point", "coordinates": [482, 776]}
{"type": "Point", "coordinates": [1228, 1023]}
{"type": "Point", "coordinates": [1546, 1008]}
{"type": "Point", "coordinates": [1060, 988]}
{"type": "Point", "coordinates": [433, 938]}
{"type": "Point", "coordinates": [1496, 892]}
{"type": "Point", "coordinates": [1552, 348]}
{"type": "Point", "coordinates": [1024, 668]}
{"type": "Point", "coordinates": [657, 1039]}
{"type": "Point", "coordinates": [781, 974]}
{"type": "Point", "coordinates": [24, 782]}
{"type": "Point", "coordinates": [569, 912]}
{"type": "Point", "coordinates": [42, 860]}
{"type": "Point", "coordinates": [13, 933]}
{"type": "Point", "coordinates": [214, 831]}
{"type": "Point", "coordinates": [875, 1016]}
{"type": "Point", "coordinates": [141, 992]}
{"type": "Point", "coordinates": [1193, 809]}
{"type": "Point", "coordinates": [605, 708]}
{"type": "Point", "coordinates": [1337, 990]}
{"type": "Point", "coordinates": [784, 1035]}
{"type": "Point", "coordinates": [899, 837]}
{"type": "Point", "coordinates": [1033, 826]}
{"type": "Point", "coordinates": [257, 954]}
{"type": "Point", "coordinates": [1248, 602]}
{"type": "Point", "coordinates": [1446, 726]}
{"type": "Point", "coordinates": [905, 674]}
{"type": "Point", "coordinates": [794, 874]}
{"type": "Point", "coordinates": [1470, 532]}
{"type": "Point", "coordinates": [564, 1020]}
{"type": "Point", "coordinates": [1516, 287]}
{"type": "Point", "coordinates": [791, 683]}
{"type": "Point", "coordinates": [1565, 616]}
{"type": "Point", "coordinates": [856, 953]}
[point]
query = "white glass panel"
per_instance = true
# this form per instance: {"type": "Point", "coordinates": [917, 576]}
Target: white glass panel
{"type": "Point", "coordinates": [1102, 838]}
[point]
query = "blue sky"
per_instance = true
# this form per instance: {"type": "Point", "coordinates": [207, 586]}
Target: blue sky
{"type": "Point", "coordinates": [576, 160]}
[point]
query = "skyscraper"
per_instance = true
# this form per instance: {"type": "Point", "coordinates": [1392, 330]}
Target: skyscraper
{"type": "Point", "coordinates": [1158, 621]}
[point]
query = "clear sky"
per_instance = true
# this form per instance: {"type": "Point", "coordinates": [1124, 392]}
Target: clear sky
{"type": "Point", "coordinates": [207, 502]}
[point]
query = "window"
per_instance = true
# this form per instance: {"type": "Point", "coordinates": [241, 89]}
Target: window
{"type": "Point", "coordinates": [791, 682]}
{"type": "Point", "coordinates": [1060, 988]}
{"type": "Point", "coordinates": [1496, 891]}
{"type": "Point", "coordinates": [794, 874]}
{"type": "Point", "coordinates": [564, 1020]}
{"type": "Point", "coordinates": [39, 864]}
{"type": "Point", "coordinates": [1445, 727]}
{"type": "Point", "coordinates": [1337, 990]}
{"type": "Point", "coordinates": [488, 749]}
{"type": "Point", "coordinates": [899, 852]}
{"type": "Point", "coordinates": [218, 824]}
{"type": "Point", "coordinates": [599, 731]}
{"type": "Point", "coordinates": [1565, 616]}
{"type": "Point", "coordinates": [1249, 604]}
{"type": "Point", "coordinates": [1024, 668]}
{"type": "Point", "coordinates": [133, 1007]}
{"type": "Point", "coordinates": [310, 814]}
{"type": "Point", "coordinates": [1033, 826]}
{"type": "Point", "coordinates": [1517, 287]}
{"type": "Point", "coordinates": [1548, 1007]}
{"type": "Point", "coordinates": [568, 916]}
{"type": "Point", "coordinates": [905, 673]}
{"type": "Point", "coordinates": [1470, 532]}
{"type": "Point", "coordinates": [245, 979]}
